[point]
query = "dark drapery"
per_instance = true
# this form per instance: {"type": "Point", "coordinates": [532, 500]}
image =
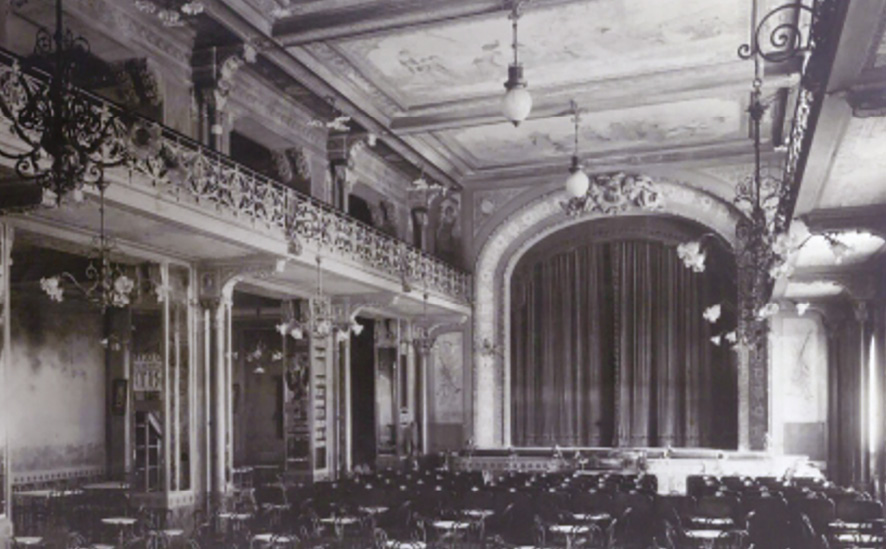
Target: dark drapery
{"type": "Point", "coordinates": [609, 348]}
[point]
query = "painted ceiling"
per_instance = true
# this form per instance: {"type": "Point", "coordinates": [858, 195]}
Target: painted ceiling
{"type": "Point", "coordinates": [651, 78]}
{"type": "Point", "coordinates": [572, 43]}
{"type": "Point", "coordinates": [649, 126]}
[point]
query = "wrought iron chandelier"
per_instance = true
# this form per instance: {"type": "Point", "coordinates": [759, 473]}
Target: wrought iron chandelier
{"type": "Point", "coordinates": [317, 320]}
{"type": "Point", "coordinates": [517, 101]}
{"type": "Point", "coordinates": [106, 282]}
{"type": "Point", "coordinates": [765, 243]}
{"type": "Point", "coordinates": [68, 137]}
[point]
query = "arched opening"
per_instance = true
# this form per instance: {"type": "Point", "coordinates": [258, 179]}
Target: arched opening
{"type": "Point", "coordinates": [608, 342]}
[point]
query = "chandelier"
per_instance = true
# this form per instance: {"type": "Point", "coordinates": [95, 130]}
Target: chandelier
{"type": "Point", "coordinates": [316, 320]}
{"type": "Point", "coordinates": [577, 183]}
{"type": "Point", "coordinates": [517, 102]}
{"type": "Point", "coordinates": [69, 139]}
{"type": "Point", "coordinates": [106, 284]}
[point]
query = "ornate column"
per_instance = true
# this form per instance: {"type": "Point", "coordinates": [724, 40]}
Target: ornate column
{"type": "Point", "coordinates": [216, 302]}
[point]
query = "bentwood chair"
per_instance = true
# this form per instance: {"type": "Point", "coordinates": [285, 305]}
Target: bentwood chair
{"type": "Point", "coordinates": [859, 524]}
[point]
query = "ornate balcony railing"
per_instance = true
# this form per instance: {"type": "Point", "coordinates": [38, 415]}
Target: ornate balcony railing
{"type": "Point", "coordinates": [181, 168]}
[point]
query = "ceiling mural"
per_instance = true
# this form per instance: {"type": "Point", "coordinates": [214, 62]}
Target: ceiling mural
{"type": "Point", "coordinates": [469, 58]}
{"type": "Point", "coordinates": [651, 126]}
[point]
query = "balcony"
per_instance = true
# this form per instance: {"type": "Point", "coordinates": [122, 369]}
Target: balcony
{"type": "Point", "coordinates": [176, 169]}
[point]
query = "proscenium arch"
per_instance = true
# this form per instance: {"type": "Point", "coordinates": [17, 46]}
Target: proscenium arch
{"type": "Point", "coordinates": [496, 260]}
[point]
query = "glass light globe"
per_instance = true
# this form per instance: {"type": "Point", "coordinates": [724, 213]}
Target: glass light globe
{"type": "Point", "coordinates": [577, 184]}
{"type": "Point", "coordinates": [516, 104]}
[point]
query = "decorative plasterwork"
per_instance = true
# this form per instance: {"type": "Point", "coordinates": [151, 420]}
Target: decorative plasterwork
{"type": "Point", "coordinates": [504, 246]}
{"type": "Point", "coordinates": [606, 39]}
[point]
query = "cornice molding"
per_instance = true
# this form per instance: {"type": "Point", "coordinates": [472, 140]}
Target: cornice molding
{"type": "Point", "coordinates": [858, 218]}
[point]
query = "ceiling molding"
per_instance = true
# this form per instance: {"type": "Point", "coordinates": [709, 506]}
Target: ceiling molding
{"type": "Point", "coordinates": [367, 18]}
{"type": "Point", "coordinates": [859, 218]}
{"type": "Point", "coordinates": [727, 80]}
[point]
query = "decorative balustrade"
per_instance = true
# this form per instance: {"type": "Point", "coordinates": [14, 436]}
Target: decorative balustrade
{"type": "Point", "coordinates": [183, 169]}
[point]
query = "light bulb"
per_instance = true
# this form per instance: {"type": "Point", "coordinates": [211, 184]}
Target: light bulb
{"type": "Point", "coordinates": [516, 104]}
{"type": "Point", "coordinates": [577, 184]}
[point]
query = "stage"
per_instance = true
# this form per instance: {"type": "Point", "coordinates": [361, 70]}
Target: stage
{"type": "Point", "coordinates": [670, 465]}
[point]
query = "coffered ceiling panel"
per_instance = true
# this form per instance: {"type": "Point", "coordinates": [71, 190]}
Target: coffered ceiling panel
{"type": "Point", "coordinates": [639, 128]}
{"type": "Point", "coordinates": [569, 44]}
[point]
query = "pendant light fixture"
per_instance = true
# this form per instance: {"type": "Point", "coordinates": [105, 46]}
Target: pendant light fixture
{"type": "Point", "coordinates": [577, 184]}
{"type": "Point", "coordinates": [517, 102]}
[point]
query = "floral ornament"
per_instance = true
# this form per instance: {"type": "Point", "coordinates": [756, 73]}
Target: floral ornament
{"type": "Point", "coordinates": [731, 337]}
{"type": "Point", "coordinates": [277, 356]}
{"type": "Point", "coordinates": [52, 287]}
{"type": "Point", "coordinates": [341, 336]}
{"type": "Point", "coordinates": [297, 333]}
{"type": "Point", "coordinates": [716, 340]}
{"type": "Point", "coordinates": [692, 256]}
{"type": "Point", "coordinates": [145, 140]}
{"type": "Point", "coordinates": [767, 311]}
{"type": "Point", "coordinates": [802, 308]}
{"type": "Point", "coordinates": [258, 370]}
{"type": "Point", "coordinates": [282, 328]}
{"type": "Point", "coordinates": [712, 313]}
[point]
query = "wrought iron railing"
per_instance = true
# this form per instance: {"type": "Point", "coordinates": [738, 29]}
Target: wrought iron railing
{"type": "Point", "coordinates": [182, 168]}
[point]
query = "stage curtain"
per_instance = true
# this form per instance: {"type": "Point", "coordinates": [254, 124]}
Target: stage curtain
{"type": "Point", "coordinates": [609, 348]}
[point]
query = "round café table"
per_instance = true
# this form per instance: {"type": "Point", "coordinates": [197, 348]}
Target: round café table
{"type": "Point", "coordinates": [122, 524]}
